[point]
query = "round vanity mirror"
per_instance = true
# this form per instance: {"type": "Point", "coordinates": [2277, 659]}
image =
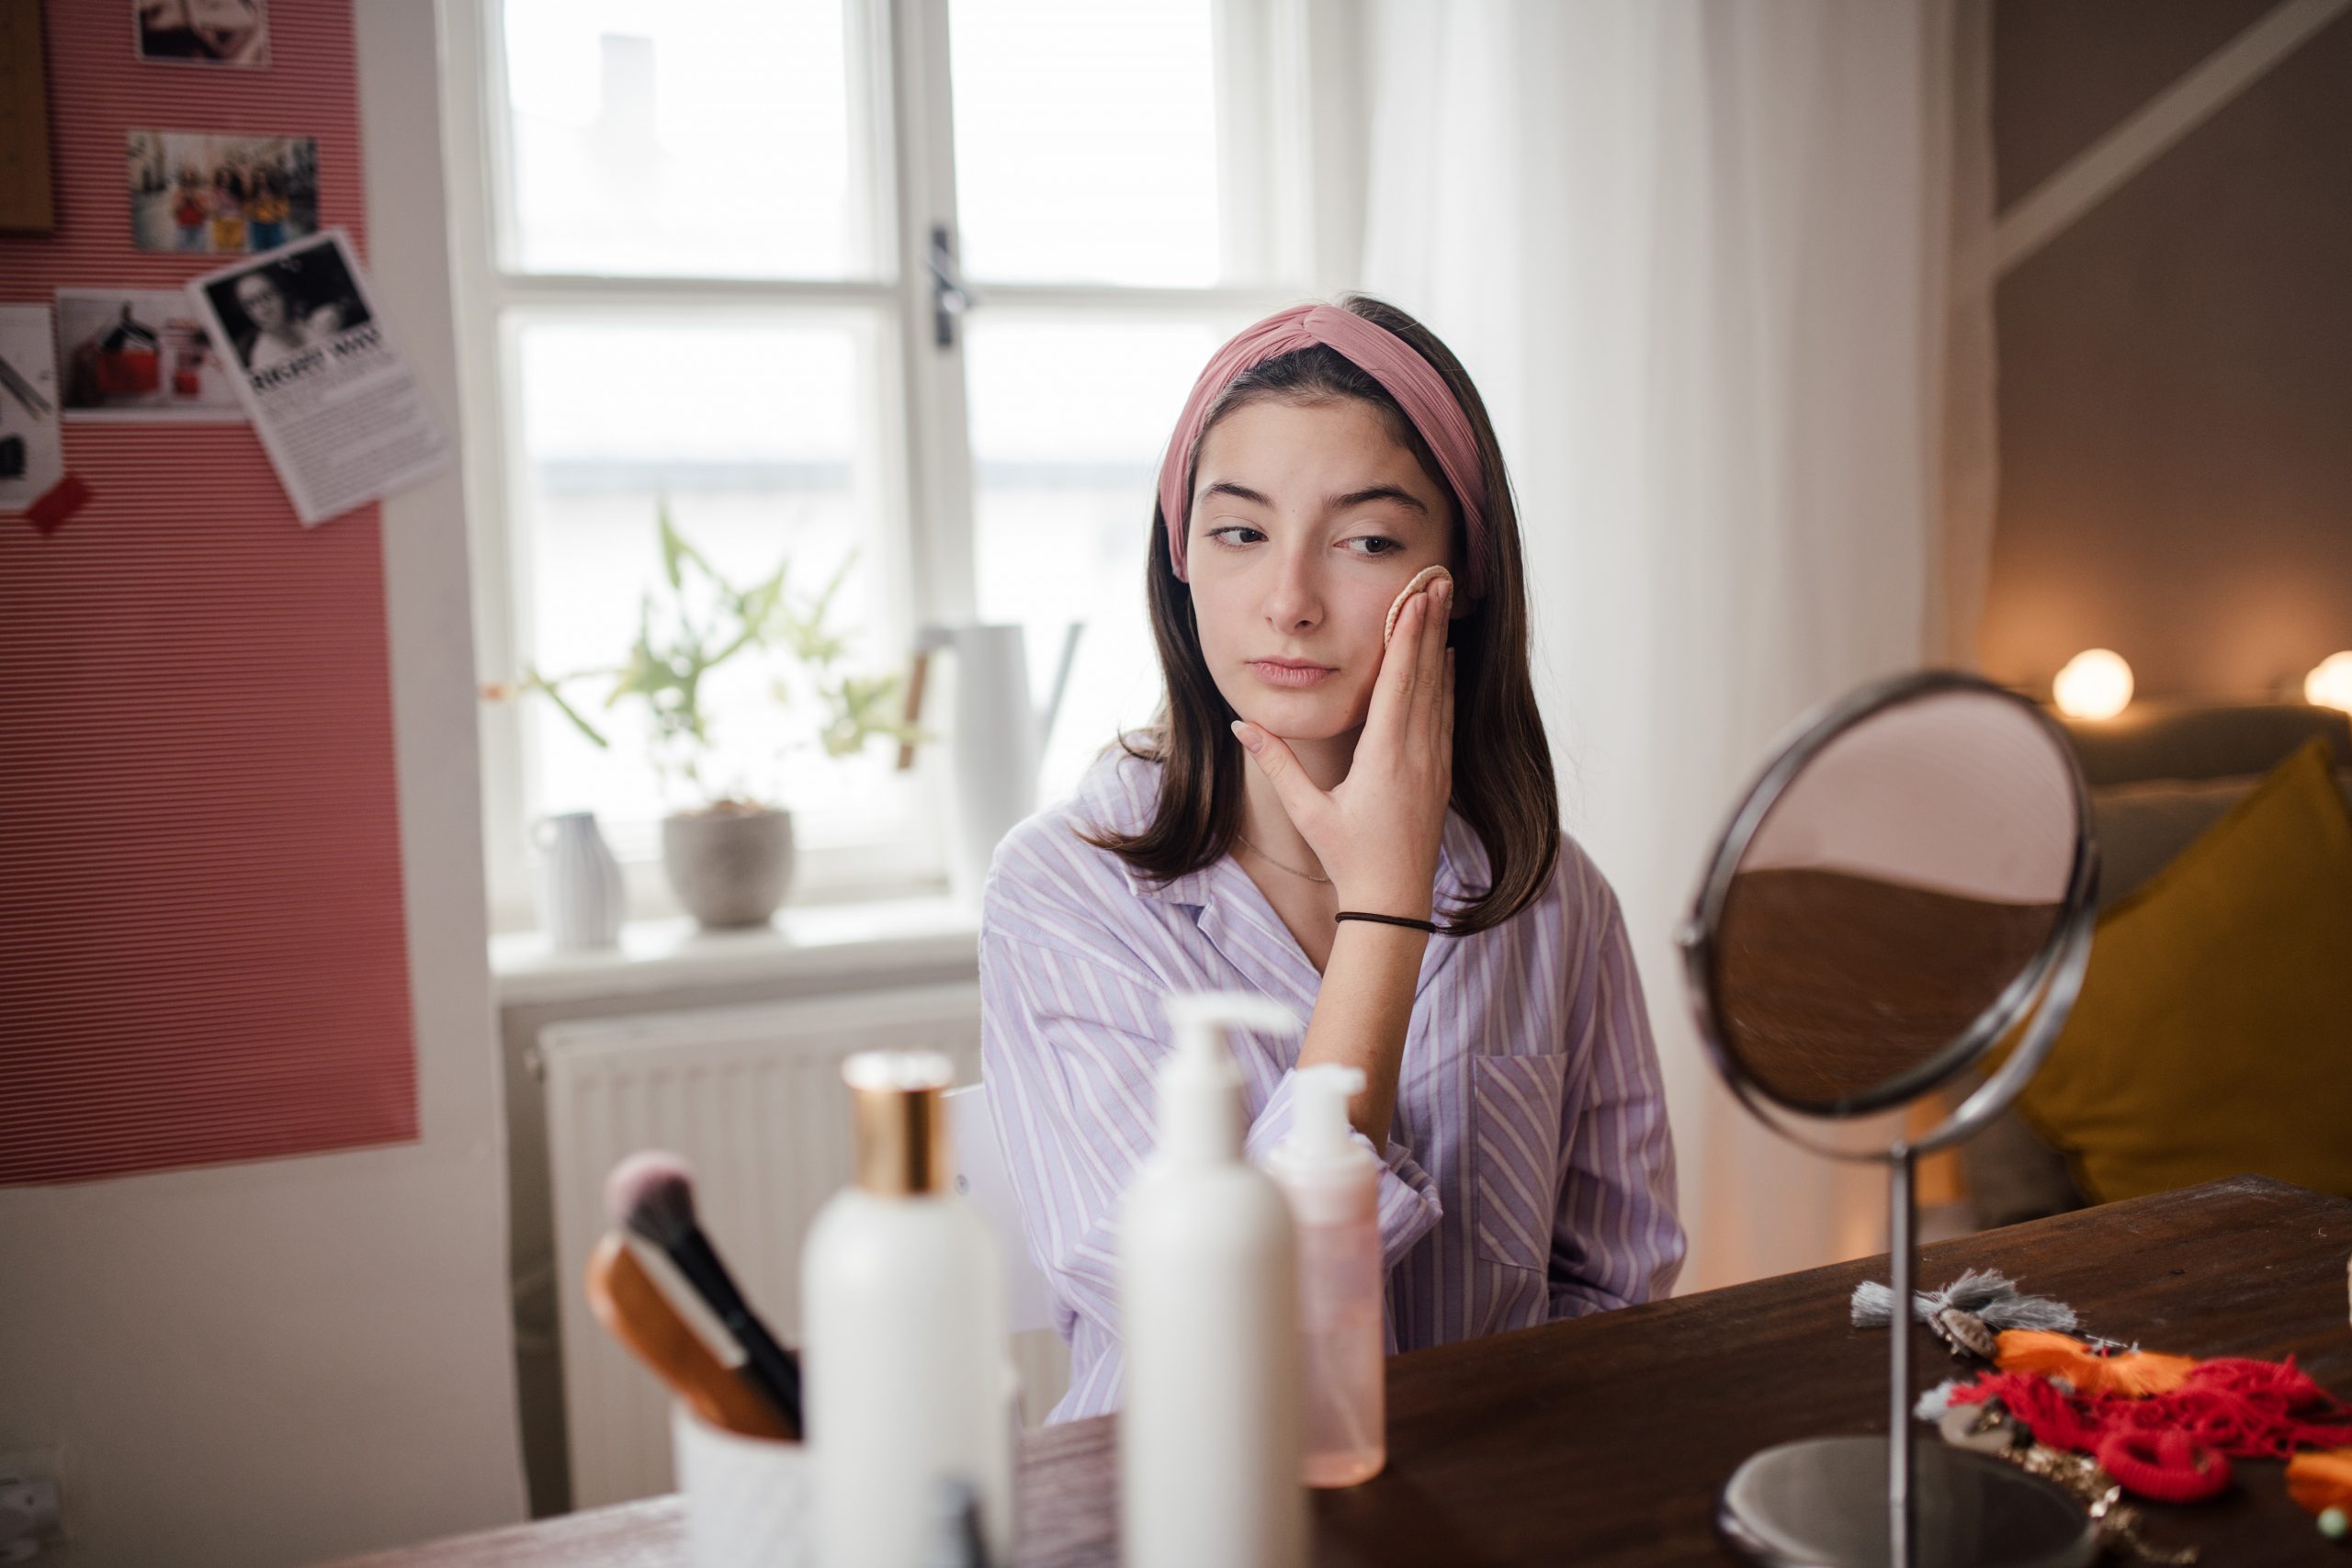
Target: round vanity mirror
{"type": "Point", "coordinates": [1907, 887]}
{"type": "Point", "coordinates": [1890, 899]}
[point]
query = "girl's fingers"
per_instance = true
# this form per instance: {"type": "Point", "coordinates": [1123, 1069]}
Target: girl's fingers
{"type": "Point", "coordinates": [1300, 797]}
{"type": "Point", "coordinates": [1435, 601]}
{"type": "Point", "coordinates": [1392, 692]}
{"type": "Point", "coordinates": [1425, 620]}
{"type": "Point", "coordinates": [1445, 709]}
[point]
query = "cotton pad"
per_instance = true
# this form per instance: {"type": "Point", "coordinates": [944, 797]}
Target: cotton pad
{"type": "Point", "coordinates": [1421, 580]}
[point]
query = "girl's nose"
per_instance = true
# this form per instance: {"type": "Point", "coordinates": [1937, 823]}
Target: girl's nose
{"type": "Point", "coordinates": [1295, 602]}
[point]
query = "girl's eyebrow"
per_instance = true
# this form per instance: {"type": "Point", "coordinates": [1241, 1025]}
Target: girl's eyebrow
{"type": "Point", "coordinates": [1330, 503]}
{"type": "Point", "coordinates": [1375, 492]}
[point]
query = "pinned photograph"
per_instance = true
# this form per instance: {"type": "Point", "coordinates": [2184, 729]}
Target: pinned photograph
{"type": "Point", "coordinates": [276, 313]}
{"type": "Point", "coordinates": [337, 409]}
{"type": "Point", "coordinates": [136, 353]}
{"type": "Point", "coordinates": [32, 459]}
{"type": "Point", "coordinates": [221, 195]}
{"type": "Point", "coordinates": [203, 32]}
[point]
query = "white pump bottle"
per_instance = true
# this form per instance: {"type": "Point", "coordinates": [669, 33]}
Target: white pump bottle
{"type": "Point", "coordinates": [1332, 1180]}
{"type": "Point", "coordinates": [902, 1307]}
{"type": "Point", "coordinates": [1209, 1436]}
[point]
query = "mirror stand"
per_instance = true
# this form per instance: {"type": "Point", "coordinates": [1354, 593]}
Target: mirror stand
{"type": "Point", "coordinates": [1863, 1502]}
{"type": "Point", "coordinates": [1903, 1268]}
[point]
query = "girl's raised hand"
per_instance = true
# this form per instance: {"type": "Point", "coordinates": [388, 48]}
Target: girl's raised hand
{"type": "Point", "coordinates": [1377, 831]}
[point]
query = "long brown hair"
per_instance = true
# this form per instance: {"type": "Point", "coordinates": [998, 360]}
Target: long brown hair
{"type": "Point", "coordinates": [1502, 765]}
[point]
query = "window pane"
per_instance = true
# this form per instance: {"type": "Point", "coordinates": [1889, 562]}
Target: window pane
{"type": "Point", "coordinates": [1086, 141]}
{"type": "Point", "coordinates": [699, 138]}
{"type": "Point", "coordinates": [758, 430]}
{"type": "Point", "coordinates": [1068, 421]}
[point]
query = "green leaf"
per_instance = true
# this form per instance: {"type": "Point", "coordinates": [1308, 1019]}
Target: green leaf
{"type": "Point", "coordinates": [572, 714]}
{"type": "Point", "coordinates": [758, 606]}
{"type": "Point", "coordinates": [674, 549]}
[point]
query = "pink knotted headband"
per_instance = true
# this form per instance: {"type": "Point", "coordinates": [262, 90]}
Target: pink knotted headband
{"type": "Point", "coordinates": [1413, 381]}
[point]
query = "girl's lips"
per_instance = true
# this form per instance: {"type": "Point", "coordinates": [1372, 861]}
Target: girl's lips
{"type": "Point", "coordinates": [1288, 674]}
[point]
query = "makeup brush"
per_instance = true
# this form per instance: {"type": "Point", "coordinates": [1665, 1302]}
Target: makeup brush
{"type": "Point", "coordinates": [634, 1311]}
{"type": "Point", "coordinates": [652, 1193]}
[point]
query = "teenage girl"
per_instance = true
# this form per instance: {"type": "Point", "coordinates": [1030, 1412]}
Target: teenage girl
{"type": "Point", "coordinates": [266, 211]}
{"type": "Point", "coordinates": [189, 210]}
{"type": "Point", "coordinates": [228, 209]}
{"type": "Point", "coordinates": [1299, 776]}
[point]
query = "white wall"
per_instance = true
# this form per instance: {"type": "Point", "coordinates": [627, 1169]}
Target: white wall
{"type": "Point", "coordinates": [280, 1362]}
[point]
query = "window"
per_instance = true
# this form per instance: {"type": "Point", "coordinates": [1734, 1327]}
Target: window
{"type": "Point", "coordinates": [907, 290]}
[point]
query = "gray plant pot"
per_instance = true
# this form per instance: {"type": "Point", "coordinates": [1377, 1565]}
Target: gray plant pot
{"type": "Point", "coordinates": [729, 867]}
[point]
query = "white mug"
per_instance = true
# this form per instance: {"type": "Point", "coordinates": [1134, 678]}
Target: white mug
{"type": "Point", "coordinates": [581, 896]}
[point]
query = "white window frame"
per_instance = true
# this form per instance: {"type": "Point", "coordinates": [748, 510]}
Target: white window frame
{"type": "Point", "coordinates": [1297, 154]}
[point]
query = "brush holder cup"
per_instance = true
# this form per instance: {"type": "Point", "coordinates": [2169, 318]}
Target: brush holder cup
{"type": "Point", "coordinates": [750, 1502]}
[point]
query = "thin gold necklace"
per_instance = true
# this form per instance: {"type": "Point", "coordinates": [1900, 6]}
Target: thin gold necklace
{"type": "Point", "coordinates": [1276, 863]}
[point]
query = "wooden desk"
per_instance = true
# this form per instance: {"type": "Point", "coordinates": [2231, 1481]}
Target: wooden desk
{"type": "Point", "coordinates": [1604, 1440]}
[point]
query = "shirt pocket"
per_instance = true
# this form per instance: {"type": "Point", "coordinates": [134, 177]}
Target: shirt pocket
{"type": "Point", "coordinates": [1515, 1148]}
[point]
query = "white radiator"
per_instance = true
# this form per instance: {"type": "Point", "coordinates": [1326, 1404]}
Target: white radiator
{"type": "Point", "coordinates": [753, 1099]}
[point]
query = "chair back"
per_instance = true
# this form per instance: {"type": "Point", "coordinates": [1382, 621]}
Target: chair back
{"type": "Point", "coordinates": [981, 1176]}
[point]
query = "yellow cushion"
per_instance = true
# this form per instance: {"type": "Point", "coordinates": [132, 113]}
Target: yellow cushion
{"type": "Point", "coordinates": [2213, 1034]}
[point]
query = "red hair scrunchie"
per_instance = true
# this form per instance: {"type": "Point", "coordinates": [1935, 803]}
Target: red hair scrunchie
{"type": "Point", "coordinates": [2163, 1465]}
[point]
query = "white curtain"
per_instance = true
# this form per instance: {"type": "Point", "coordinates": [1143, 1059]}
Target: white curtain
{"type": "Point", "coordinates": [1695, 255]}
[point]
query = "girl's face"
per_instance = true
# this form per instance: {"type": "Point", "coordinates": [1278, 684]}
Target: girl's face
{"type": "Point", "coordinates": [263, 305]}
{"type": "Point", "coordinates": [1308, 520]}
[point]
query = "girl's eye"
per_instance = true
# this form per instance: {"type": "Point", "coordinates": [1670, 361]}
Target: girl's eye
{"type": "Point", "coordinates": [1218, 535]}
{"type": "Point", "coordinates": [1389, 547]}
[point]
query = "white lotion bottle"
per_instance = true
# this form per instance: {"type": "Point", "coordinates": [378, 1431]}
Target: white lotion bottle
{"type": "Point", "coordinates": [906, 1371]}
{"type": "Point", "coordinates": [1332, 1180]}
{"type": "Point", "coordinates": [1209, 1429]}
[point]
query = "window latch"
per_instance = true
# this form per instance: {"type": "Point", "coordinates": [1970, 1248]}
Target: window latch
{"type": "Point", "coordinates": [949, 297]}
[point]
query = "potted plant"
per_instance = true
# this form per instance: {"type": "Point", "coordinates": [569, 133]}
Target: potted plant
{"type": "Point", "coordinates": [728, 855]}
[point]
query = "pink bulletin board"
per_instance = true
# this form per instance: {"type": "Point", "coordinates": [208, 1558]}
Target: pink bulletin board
{"type": "Point", "coordinates": [203, 948]}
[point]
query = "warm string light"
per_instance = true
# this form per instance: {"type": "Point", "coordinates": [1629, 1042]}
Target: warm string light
{"type": "Point", "coordinates": [2329, 685]}
{"type": "Point", "coordinates": [2096, 683]}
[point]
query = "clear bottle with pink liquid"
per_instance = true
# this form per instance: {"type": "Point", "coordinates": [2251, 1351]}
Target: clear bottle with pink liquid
{"type": "Point", "coordinates": [1332, 1180]}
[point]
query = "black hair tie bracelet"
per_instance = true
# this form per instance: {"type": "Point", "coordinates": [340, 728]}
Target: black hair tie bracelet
{"type": "Point", "coordinates": [1428, 925]}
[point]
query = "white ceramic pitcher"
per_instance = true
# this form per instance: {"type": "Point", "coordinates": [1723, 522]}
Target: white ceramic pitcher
{"type": "Point", "coordinates": [998, 739]}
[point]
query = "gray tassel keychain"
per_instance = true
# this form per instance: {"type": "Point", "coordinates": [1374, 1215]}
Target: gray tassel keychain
{"type": "Point", "coordinates": [1969, 1313]}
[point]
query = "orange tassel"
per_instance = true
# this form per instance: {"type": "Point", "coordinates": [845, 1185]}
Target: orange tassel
{"type": "Point", "coordinates": [2321, 1480]}
{"type": "Point", "coordinates": [2133, 1373]}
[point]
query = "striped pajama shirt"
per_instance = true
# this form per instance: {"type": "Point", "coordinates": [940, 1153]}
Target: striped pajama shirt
{"type": "Point", "coordinates": [1529, 1173]}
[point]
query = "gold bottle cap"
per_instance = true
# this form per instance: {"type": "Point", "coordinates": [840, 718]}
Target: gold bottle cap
{"type": "Point", "coordinates": [902, 1125]}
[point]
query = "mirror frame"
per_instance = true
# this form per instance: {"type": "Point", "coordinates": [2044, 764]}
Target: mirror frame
{"type": "Point", "coordinates": [2045, 988]}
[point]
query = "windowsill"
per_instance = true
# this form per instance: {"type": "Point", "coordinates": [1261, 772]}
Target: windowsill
{"type": "Point", "coordinates": [821, 941]}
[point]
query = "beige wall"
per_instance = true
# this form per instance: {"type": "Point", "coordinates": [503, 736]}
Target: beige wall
{"type": "Point", "coordinates": [278, 1362]}
{"type": "Point", "coordinates": [2175, 367]}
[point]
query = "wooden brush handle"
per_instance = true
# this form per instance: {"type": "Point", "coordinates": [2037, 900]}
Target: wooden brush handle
{"type": "Point", "coordinates": [914, 708]}
{"type": "Point", "coordinates": [632, 1308]}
